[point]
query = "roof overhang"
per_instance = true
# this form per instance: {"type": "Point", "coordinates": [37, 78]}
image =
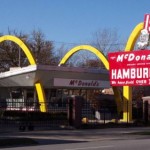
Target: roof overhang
{"type": "Point", "coordinates": [28, 76]}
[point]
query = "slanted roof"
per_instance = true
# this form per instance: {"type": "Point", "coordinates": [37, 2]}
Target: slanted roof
{"type": "Point", "coordinates": [28, 76]}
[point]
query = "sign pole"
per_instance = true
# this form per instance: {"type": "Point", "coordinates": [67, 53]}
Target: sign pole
{"type": "Point", "coordinates": [127, 104]}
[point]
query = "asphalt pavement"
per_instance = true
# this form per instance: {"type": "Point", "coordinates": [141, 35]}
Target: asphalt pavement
{"type": "Point", "coordinates": [68, 136]}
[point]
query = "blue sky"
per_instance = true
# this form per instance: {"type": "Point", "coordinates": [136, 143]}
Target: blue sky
{"type": "Point", "coordinates": [72, 21]}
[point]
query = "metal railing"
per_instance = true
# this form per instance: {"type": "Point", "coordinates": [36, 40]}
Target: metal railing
{"type": "Point", "coordinates": [57, 115]}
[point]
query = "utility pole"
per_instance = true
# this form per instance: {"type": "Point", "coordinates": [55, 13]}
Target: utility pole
{"type": "Point", "coordinates": [19, 65]}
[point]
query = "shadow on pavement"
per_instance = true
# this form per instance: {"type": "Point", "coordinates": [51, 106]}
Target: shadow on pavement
{"type": "Point", "coordinates": [17, 142]}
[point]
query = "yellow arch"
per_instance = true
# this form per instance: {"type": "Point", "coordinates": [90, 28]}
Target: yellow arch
{"type": "Point", "coordinates": [85, 47]}
{"type": "Point", "coordinates": [127, 91]}
{"type": "Point", "coordinates": [102, 58]}
{"type": "Point", "coordinates": [39, 87]}
{"type": "Point", "coordinates": [133, 37]}
{"type": "Point", "coordinates": [21, 44]}
{"type": "Point", "coordinates": [41, 96]}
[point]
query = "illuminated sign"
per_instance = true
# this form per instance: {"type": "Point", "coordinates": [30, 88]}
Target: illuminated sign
{"type": "Point", "coordinates": [129, 68]}
{"type": "Point", "coordinates": [145, 34]}
{"type": "Point", "coordinates": [147, 22]}
{"type": "Point", "coordinates": [81, 83]}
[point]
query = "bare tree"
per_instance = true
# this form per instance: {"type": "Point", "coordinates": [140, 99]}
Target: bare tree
{"type": "Point", "coordinates": [41, 48]}
{"type": "Point", "coordinates": [73, 61]}
{"type": "Point", "coordinates": [60, 53]}
{"type": "Point", "coordinates": [105, 40]}
{"type": "Point", "coordinates": [13, 56]}
{"type": "Point", "coordinates": [9, 52]}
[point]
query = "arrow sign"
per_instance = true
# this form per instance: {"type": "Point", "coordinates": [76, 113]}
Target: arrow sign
{"type": "Point", "coordinates": [147, 22]}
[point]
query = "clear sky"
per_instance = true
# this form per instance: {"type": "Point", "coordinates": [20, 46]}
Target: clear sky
{"type": "Point", "coordinates": [72, 21]}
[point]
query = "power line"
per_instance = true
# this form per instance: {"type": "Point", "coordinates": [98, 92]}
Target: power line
{"type": "Point", "coordinates": [74, 43]}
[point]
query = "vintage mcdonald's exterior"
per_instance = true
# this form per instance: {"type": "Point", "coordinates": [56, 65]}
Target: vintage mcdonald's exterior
{"type": "Point", "coordinates": [44, 77]}
{"type": "Point", "coordinates": [38, 82]}
{"type": "Point", "coordinates": [54, 80]}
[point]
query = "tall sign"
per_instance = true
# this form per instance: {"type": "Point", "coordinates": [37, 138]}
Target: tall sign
{"type": "Point", "coordinates": [129, 68]}
{"type": "Point", "coordinates": [147, 22]}
{"type": "Point", "coordinates": [145, 34]}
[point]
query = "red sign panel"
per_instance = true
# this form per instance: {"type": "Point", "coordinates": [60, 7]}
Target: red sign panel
{"type": "Point", "coordinates": [129, 68]}
{"type": "Point", "coordinates": [147, 22]}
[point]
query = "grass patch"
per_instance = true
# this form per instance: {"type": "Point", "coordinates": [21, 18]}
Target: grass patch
{"type": "Point", "coordinates": [10, 142]}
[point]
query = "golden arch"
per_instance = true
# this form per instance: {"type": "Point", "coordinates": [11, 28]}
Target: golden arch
{"type": "Point", "coordinates": [38, 85]}
{"type": "Point", "coordinates": [102, 58]}
{"type": "Point", "coordinates": [22, 46]}
{"type": "Point", "coordinates": [85, 47]}
{"type": "Point", "coordinates": [127, 91]}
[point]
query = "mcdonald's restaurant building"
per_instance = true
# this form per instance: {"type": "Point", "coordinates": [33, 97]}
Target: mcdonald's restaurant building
{"type": "Point", "coordinates": [35, 86]}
